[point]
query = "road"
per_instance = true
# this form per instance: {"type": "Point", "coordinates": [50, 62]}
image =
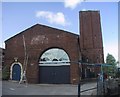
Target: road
{"type": "Point", "coordinates": [14, 88]}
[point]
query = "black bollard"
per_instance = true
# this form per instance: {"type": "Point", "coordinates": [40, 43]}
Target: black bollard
{"type": "Point", "coordinates": [79, 90]}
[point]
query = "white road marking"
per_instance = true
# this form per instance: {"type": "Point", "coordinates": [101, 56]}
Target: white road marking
{"type": "Point", "coordinates": [12, 89]}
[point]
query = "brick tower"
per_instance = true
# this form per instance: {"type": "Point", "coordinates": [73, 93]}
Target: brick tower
{"type": "Point", "coordinates": [91, 37]}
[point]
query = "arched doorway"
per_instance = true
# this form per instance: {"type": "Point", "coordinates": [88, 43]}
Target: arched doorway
{"type": "Point", "coordinates": [16, 71]}
{"type": "Point", "coordinates": [54, 67]}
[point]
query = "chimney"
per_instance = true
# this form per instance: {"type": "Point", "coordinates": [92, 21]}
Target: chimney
{"type": "Point", "coordinates": [91, 37]}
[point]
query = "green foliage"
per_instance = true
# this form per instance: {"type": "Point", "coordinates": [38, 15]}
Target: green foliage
{"type": "Point", "coordinates": [110, 60]}
{"type": "Point", "coordinates": [5, 74]}
{"type": "Point", "coordinates": [111, 71]}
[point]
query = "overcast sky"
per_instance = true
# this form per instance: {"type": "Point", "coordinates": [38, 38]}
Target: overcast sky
{"type": "Point", "coordinates": [19, 16]}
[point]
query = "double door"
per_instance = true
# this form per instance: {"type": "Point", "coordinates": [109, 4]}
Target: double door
{"type": "Point", "coordinates": [54, 74]}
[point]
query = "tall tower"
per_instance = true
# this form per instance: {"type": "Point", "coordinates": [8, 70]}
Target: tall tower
{"type": "Point", "coordinates": [91, 37]}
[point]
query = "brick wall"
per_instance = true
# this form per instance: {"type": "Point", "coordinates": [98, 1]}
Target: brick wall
{"type": "Point", "coordinates": [38, 39]}
{"type": "Point", "coordinates": [91, 37]}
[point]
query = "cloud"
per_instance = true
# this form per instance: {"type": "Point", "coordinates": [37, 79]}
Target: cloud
{"type": "Point", "coordinates": [72, 3]}
{"type": "Point", "coordinates": [56, 18]}
{"type": "Point", "coordinates": [84, 10]}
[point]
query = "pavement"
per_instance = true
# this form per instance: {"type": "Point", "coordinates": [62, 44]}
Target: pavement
{"type": "Point", "coordinates": [14, 88]}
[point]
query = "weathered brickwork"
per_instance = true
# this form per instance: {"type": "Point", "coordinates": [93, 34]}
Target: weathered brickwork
{"type": "Point", "coordinates": [91, 37]}
{"type": "Point", "coordinates": [40, 38]}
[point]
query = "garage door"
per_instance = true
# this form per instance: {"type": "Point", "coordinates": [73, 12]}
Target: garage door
{"type": "Point", "coordinates": [54, 74]}
{"type": "Point", "coordinates": [54, 67]}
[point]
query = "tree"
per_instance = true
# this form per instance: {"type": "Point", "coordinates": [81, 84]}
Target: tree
{"type": "Point", "coordinates": [111, 70]}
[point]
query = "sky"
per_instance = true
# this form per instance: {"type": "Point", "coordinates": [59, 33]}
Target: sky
{"type": "Point", "coordinates": [18, 16]}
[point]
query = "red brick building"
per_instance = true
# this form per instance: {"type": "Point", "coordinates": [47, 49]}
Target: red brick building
{"type": "Point", "coordinates": [50, 55]}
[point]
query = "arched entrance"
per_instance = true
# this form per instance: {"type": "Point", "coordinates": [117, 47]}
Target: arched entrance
{"type": "Point", "coordinates": [16, 71]}
{"type": "Point", "coordinates": [54, 67]}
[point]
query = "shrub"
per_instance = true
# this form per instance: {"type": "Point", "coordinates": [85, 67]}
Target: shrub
{"type": "Point", "coordinates": [5, 74]}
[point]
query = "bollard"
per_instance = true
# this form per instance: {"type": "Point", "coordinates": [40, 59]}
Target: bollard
{"type": "Point", "coordinates": [79, 90]}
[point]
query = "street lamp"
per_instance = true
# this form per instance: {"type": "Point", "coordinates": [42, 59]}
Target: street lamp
{"type": "Point", "coordinates": [79, 84]}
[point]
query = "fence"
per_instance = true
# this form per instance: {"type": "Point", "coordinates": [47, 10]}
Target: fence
{"type": "Point", "coordinates": [108, 87]}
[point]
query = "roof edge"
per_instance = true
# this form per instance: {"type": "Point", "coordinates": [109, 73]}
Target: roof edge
{"type": "Point", "coordinates": [39, 25]}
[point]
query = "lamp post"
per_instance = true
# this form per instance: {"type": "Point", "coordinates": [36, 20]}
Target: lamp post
{"type": "Point", "coordinates": [79, 65]}
{"type": "Point", "coordinates": [79, 73]}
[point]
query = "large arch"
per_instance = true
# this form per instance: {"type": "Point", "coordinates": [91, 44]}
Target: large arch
{"type": "Point", "coordinates": [54, 66]}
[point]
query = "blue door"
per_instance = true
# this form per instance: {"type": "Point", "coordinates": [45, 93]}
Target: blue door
{"type": "Point", "coordinates": [16, 72]}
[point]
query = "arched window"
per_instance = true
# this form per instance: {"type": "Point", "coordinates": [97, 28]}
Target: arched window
{"type": "Point", "coordinates": [54, 57]}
